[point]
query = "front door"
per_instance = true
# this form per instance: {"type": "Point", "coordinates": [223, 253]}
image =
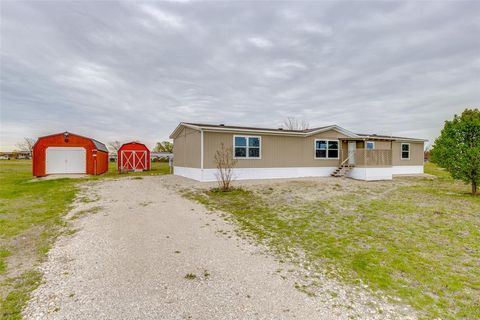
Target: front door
{"type": "Point", "coordinates": [352, 147]}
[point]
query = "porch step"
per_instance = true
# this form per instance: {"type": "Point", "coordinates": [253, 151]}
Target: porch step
{"type": "Point", "coordinates": [342, 170]}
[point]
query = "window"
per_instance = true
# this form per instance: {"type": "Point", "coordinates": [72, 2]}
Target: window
{"type": "Point", "coordinates": [326, 149]}
{"type": "Point", "coordinates": [405, 151]}
{"type": "Point", "coordinates": [370, 145]}
{"type": "Point", "coordinates": [246, 147]}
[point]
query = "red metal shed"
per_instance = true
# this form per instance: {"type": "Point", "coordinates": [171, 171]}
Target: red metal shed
{"type": "Point", "coordinates": [133, 156]}
{"type": "Point", "coordinates": [65, 153]}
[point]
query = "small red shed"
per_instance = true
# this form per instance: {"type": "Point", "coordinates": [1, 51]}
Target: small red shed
{"type": "Point", "coordinates": [66, 153]}
{"type": "Point", "coordinates": [133, 156]}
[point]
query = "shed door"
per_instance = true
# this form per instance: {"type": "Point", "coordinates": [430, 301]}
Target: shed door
{"type": "Point", "coordinates": [66, 160]}
{"type": "Point", "coordinates": [133, 160]}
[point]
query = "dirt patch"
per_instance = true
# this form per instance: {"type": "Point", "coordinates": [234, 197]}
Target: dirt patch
{"type": "Point", "coordinates": [23, 257]}
{"type": "Point", "coordinates": [307, 189]}
{"type": "Point", "coordinates": [61, 176]}
{"type": "Point", "coordinates": [27, 249]}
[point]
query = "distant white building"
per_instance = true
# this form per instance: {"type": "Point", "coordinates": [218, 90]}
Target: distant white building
{"type": "Point", "coordinates": [161, 155]}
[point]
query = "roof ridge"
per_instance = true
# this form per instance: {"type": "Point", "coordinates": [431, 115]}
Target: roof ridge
{"type": "Point", "coordinates": [256, 128]}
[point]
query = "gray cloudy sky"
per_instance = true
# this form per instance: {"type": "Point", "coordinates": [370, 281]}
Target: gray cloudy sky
{"type": "Point", "coordinates": [133, 70]}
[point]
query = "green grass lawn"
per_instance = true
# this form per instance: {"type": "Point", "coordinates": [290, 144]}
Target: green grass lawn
{"type": "Point", "coordinates": [413, 239]}
{"type": "Point", "coordinates": [31, 212]}
{"type": "Point", "coordinates": [156, 169]}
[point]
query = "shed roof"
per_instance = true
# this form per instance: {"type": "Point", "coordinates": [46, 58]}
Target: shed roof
{"type": "Point", "coordinates": [99, 145]}
{"type": "Point", "coordinates": [133, 142]}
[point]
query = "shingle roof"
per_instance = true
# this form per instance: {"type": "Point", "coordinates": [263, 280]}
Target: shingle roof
{"type": "Point", "coordinates": [378, 136]}
{"type": "Point", "coordinates": [305, 132]}
{"type": "Point", "coordinates": [100, 146]}
{"type": "Point", "coordinates": [253, 128]}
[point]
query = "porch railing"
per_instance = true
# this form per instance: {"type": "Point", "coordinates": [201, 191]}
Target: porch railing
{"type": "Point", "coordinates": [373, 158]}
{"type": "Point", "coordinates": [369, 158]}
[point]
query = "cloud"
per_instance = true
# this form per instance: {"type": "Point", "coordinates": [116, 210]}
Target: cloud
{"type": "Point", "coordinates": [316, 29]}
{"type": "Point", "coordinates": [284, 69]}
{"type": "Point", "coordinates": [164, 18]}
{"type": "Point", "coordinates": [260, 42]}
{"type": "Point", "coordinates": [87, 76]}
{"type": "Point", "coordinates": [132, 71]}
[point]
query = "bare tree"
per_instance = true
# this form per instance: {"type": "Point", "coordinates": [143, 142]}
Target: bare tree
{"type": "Point", "coordinates": [115, 145]}
{"type": "Point", "coordinates": [26, 145]}
{"type": "Point", "coordinates": [291, 123]}
{"type": "Point", "coordinates": [225, 163]}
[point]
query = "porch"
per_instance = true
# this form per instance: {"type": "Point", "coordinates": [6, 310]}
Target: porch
{"type": "Point", "coordinates": [366, 153]}
{"type": "Point", "coordinates": [365, 160]}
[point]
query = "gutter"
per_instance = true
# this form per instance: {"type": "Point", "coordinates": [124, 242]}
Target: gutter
{"type": "Point", "coordinates": [365, 138]}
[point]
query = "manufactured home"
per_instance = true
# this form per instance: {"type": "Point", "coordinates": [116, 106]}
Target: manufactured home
{"type": "Point", "coordinates": [264, 153]}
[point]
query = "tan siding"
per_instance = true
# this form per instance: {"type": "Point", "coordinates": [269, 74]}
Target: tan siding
{"type": "Point", "coordinates": [379, 145]}
{"type": "Point", "coordinates": [179, 149]}
{"type": "Point", "coordinates": [382, 145]}
{"type": "Point", "coordinates": [276, 151]}
{"type": "Point", "coordinates": [186, 149]}
{"type": "Point", "coordinates": [416, 154]}
{"type": "Point", "coordinates": [344, 150]}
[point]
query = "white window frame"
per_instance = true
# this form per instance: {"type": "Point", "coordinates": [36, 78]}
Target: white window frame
{"type": "Point", "coordinates": [366, 145]}
{"type": "Point", "coordinates": [247, 157]}
{"type": "Point", "coordinates": [327, 157]}
{"type": "Point", "coordinates": [401, 151]}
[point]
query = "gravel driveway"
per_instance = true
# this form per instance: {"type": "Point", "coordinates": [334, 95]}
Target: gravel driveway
{"type": "Point", "coordinates": [145, 252]}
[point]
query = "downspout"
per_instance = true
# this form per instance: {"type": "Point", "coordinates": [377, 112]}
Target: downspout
{"type": "Point", "coordinates": [391, 154]}
{"type": "Point", "coordinates": [94, 156]}
{"type": "Point", "coordinates": [201, 154]}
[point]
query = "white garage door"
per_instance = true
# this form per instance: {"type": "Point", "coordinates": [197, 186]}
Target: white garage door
{"type": "Point", "coordinates": [66, 160]}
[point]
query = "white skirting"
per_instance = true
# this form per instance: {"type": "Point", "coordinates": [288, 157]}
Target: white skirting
{"type": "Point", "coordinates": [383, 173]}
{"type": "Point", "coordinates": [255, 173]}
{"type": "Point", "coordinates": [407, 169]}
{"type": "Point", "coordinates": [297, 172]}
{"type": "Point", "coordinates": [370, 174]}
{"type": "Point", "coordinates": [192, 173]}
